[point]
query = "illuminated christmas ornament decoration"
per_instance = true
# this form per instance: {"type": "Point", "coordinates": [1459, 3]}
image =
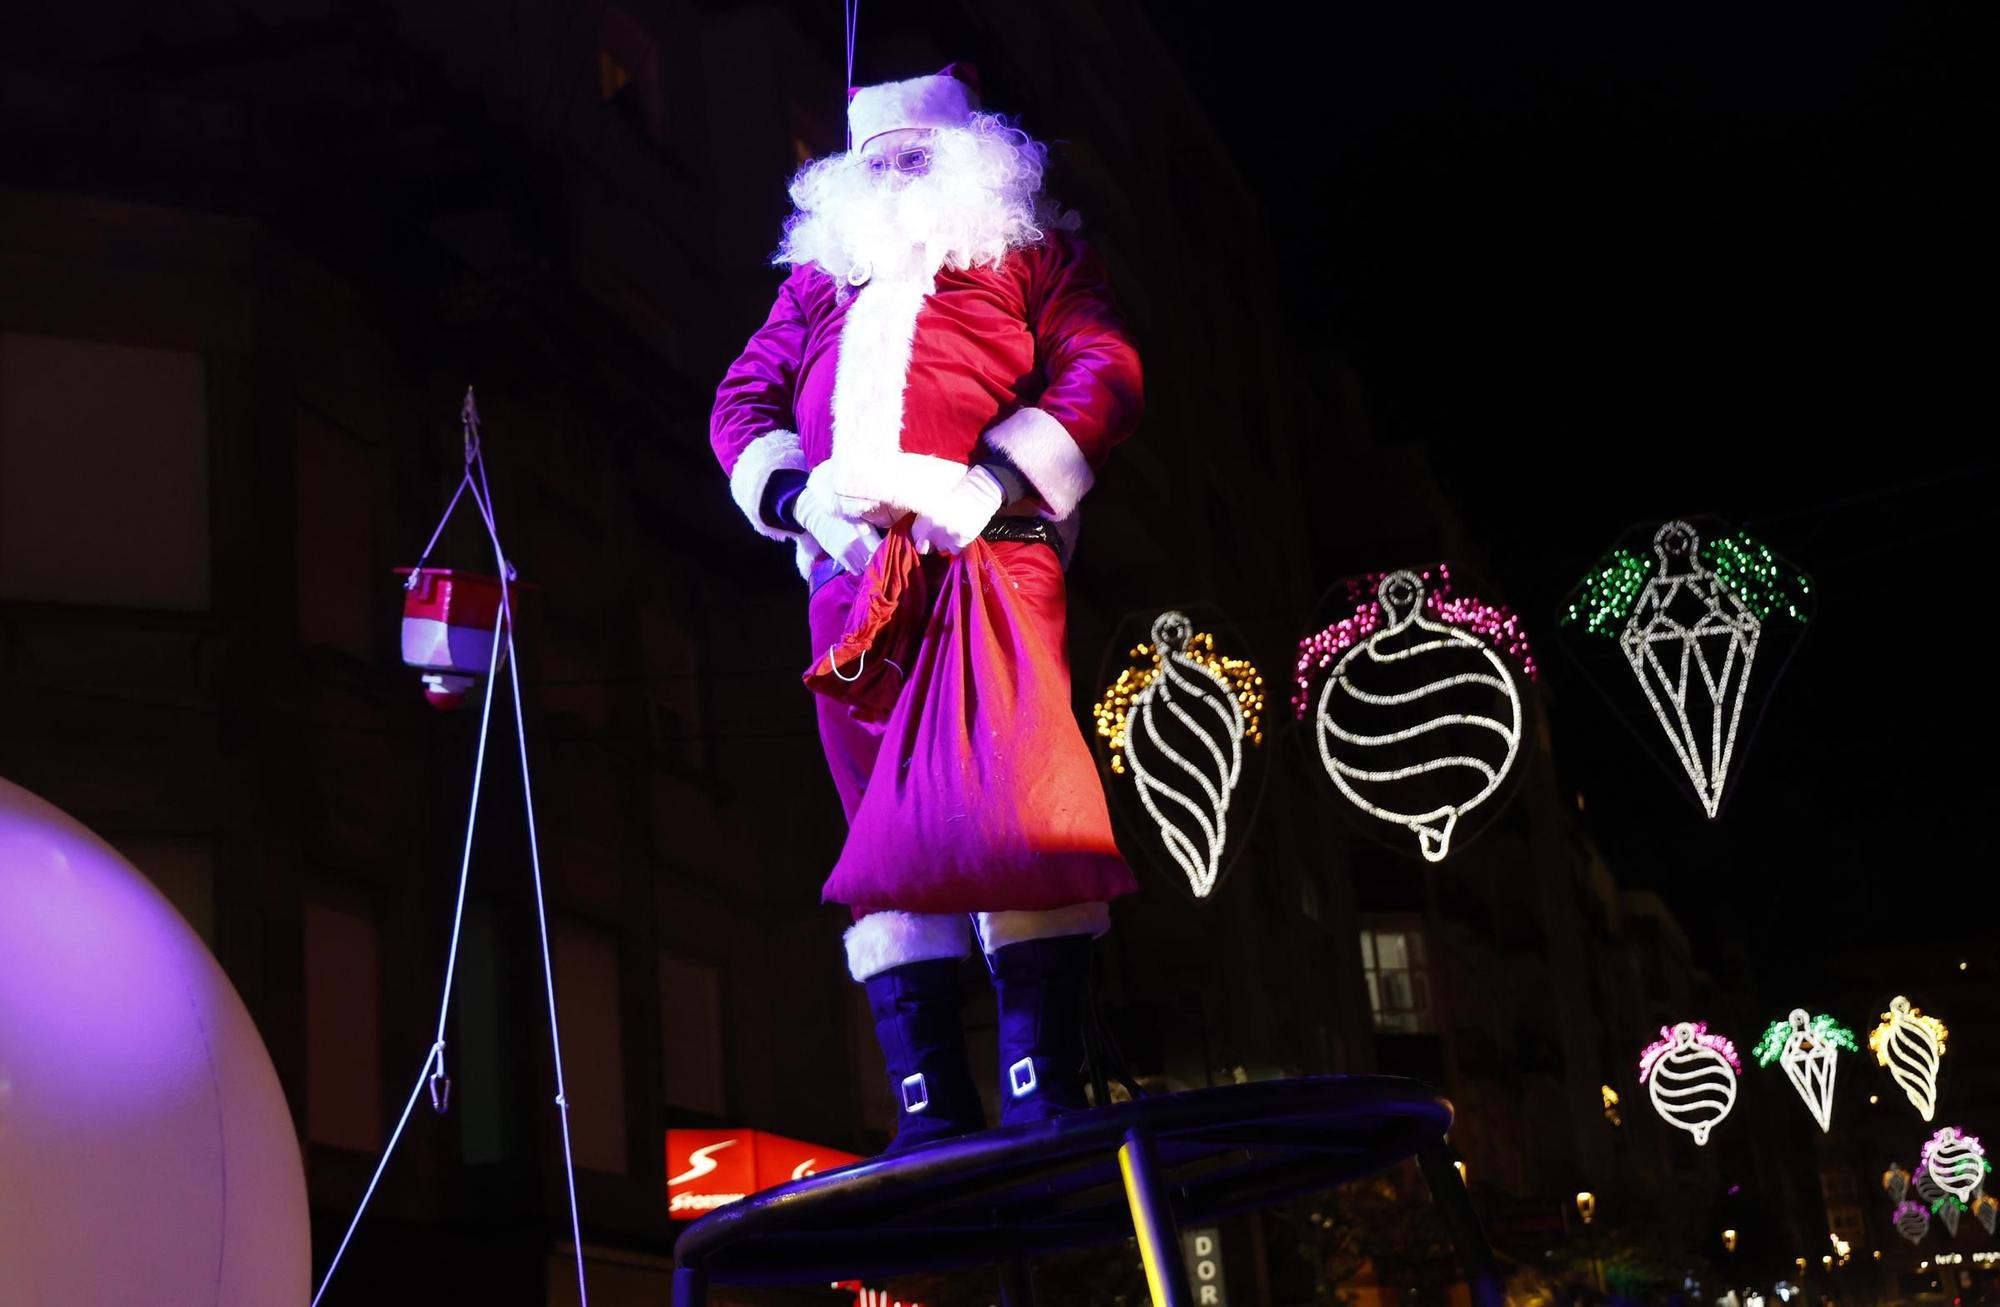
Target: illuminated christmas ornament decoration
{"type": "Point", "coordinates": [1896, 1182]}
{"type": "Point", "coordinates": [1985, 1210]}
{"type": "Point", "coordinates": [1176, 724]}
{"type": "Point", "coordinates": [1692, 1076]}
{"type": "Point", "coordinates": [1807, 1047]}
{"type": "Point", "coordinates": [1910, 1045]}
{"type": "Point", "coordinates": [1418, 718]}
{"type": "Point", "coordinates": [1947, 1207]}
{"type": "Point", "coordinates": [1956, 1163]}
{"type": "Point", "coordinates": [1689, 617]}
{"type": "Point", "coordinates": [1912, 1221]}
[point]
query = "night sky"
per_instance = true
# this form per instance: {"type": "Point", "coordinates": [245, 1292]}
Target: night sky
{"type": "Point", "coordinates": [1621, 265]}
{"type": "Point", "coordinates": [1616, 264]}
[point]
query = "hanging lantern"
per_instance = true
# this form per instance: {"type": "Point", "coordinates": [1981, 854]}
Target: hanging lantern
{"type": "Point", "coordinates": [449, 621]}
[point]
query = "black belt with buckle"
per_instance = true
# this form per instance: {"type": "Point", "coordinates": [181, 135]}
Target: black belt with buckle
{"type": "Point", "coordinates": [1021, 530]}
{"type": "Point", "coordinates": [1025, 530]}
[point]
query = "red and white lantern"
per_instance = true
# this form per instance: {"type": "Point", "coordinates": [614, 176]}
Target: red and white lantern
{"type": "Point", "coordinates": [448, 628]}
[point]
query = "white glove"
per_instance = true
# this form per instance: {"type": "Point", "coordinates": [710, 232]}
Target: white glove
{"type": "Point", "coordinates": [843, 538]}
{"type": "Point", "coordinates": [960, 514]}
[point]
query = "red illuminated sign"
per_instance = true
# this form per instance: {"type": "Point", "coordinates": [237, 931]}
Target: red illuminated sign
{"type": "Point", "coordinates": [707, 1169]}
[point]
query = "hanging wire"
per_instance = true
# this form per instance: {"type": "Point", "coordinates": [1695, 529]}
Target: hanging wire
{"type": "Point", "coordinates": [853, 14]}
{"type": "Point", "coordinates": [432, 1072]}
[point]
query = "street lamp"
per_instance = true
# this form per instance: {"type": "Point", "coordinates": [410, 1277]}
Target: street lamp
{"type": "Point", "coordinates": [1729, 1240]}
{"type": "Point", "coordinates": [1586, 1207]}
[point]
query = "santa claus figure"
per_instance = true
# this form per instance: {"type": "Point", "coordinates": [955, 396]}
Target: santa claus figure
{"type": "Point", "coordinates": [945, 354]}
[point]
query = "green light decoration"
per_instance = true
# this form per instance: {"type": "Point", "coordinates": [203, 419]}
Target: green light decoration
{"type": "Point", "coordinates": [1744, 564]}
{"type": "Point", "coordinates": [1822, 1031]}
{"type": "Point", "coordinates": [1688, 616]}
{"type": "Point", "coordinates": [1605, 598]}
{"type": "Point", "coordinates": [1808, 1048]}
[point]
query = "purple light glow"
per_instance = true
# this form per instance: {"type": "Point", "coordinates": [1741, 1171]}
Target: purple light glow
{"type": "Point", "coordinates": [1698, 1037]}
{"type": "Point", "coordinates": [137, 1103]}
{"type": "Point", "coordinates": [1497, 624]}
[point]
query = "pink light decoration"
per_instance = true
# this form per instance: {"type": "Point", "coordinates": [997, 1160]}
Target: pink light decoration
{"type": "Point", "coordinates": [1655, 1051]}
{"type": "Point", "coordinates": [1496, 623]}
{"type": "Point", "coordinates": [1939, 1139]}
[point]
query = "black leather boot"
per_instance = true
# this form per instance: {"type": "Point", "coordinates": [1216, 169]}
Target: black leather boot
{"type": "Point", "coordinates": [1040, 985]}
{"type": "Point", "coordinates": [915, 1006]}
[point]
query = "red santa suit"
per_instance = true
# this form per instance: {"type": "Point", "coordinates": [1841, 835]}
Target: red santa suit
{"type": "Point", "coordinates": [892, 389]}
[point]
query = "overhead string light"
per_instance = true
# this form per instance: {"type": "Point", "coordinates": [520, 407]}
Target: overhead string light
{"type": "Point", "coordinates": [1807, 1048]}
{"type": "Point", "coordinates": [1418, 719]}
{"type": "Point", "coordinates": [1692, 1076]}
{"type": "Point", "coordinates": [1689, 621]}
{"type": "Point", "coordinates": [1176, 723]}
{"type": "Point", "coordinates": [1910, 1045]}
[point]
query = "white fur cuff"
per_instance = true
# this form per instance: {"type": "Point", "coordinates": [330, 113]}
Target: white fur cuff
{"type": "Point", "coordinates": [1044, 452]}
{"type": "Point", "coordinates": [772, 452]}
{"type": "Point", "coordinates": [882, 940]}
{"type": "Point", "coordinates": [999, 929]}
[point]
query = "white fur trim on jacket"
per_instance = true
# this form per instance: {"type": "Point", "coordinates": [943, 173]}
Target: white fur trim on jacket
{"type": "Point", "coordinates": [872, 473]}
{"type": "Point", "coordinates": [1042, 450]}
{"type": "Point", "coordinates": [882, 940]}
{"type": "Point", "coordinates": [999, 929]}
{"type": "Point", "coordinates": [772, 452]}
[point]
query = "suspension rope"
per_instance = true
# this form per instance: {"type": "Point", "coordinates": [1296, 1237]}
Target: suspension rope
{"type": "Point", "coordinates": [432, 1073]}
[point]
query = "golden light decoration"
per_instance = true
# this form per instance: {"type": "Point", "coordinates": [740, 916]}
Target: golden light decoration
{"type": "Point", "coordinates": [1586, 1205]}
{"type": "Point", "coordinates": [1114, 709]}
{"type": "Point", "coordinates": [1910, 1045]}
{"type": "Point", "coordinates": [1611, 1112]}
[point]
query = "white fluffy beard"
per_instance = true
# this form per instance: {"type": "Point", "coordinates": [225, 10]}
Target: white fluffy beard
{"type": "Point", "coordinates": [980, 198]}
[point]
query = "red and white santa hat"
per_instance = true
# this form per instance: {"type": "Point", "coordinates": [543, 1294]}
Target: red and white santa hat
{"type": "Point", "coordinates": [944, 99]}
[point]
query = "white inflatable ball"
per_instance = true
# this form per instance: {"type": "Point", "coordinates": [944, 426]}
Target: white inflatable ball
{"type": "Point", "coordinates": [146, 1152]}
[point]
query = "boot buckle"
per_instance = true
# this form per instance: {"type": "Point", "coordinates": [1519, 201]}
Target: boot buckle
{"type": "Point", "coordinates": [1021, 1077]}
{"type": "Point", "coordinates": [918, 1100]}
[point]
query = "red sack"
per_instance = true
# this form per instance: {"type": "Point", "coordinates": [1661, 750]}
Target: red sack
{"type": "Point", "coordinates": [866, 666]}
{"type": "Point", "coordinates": [984, 797]}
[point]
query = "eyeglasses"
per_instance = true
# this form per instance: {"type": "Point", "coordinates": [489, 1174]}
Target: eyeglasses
{"type": "Point", "coordinates": [915, 159]}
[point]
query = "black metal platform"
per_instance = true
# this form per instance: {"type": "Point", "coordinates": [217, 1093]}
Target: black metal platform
{"type": "Point", "coordinates": [1004, 1196]}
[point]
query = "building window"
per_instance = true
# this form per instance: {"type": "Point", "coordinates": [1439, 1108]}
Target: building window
{"type": "Point", "coordinates": [103, 474]}
{"type": "Point", "coordinates": [343, 1021]}
{"type": "Point", "coordinates": [693, 1074]}
{"type": "Point", "coordinates": [1399, 991]}
{"type": "Point", "coordinates": [593, 1044]}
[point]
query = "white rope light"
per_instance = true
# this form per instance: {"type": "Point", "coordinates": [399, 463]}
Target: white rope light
{"type": "Point", "coordinates": [1691, 644]}
{"type": "Point", "coordinates": [1468, 753]}
{"type": "Point", "coordinates": [1807, 1048]}
{"type": "Point", "coordinates": [1956, 1163]}
{"type": "Point", "coordinates": [1910, 1045]}
{"type": "Point", "coordinates": [1198, 790]}
{"type": "Point", "coordinates": [1176, 721]}
{"type": "Point", "coordinates": [1692, 1077]}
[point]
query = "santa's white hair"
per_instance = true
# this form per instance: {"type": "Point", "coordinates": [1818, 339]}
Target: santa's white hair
{"type": "Point", "coordinates": [980, 198]}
